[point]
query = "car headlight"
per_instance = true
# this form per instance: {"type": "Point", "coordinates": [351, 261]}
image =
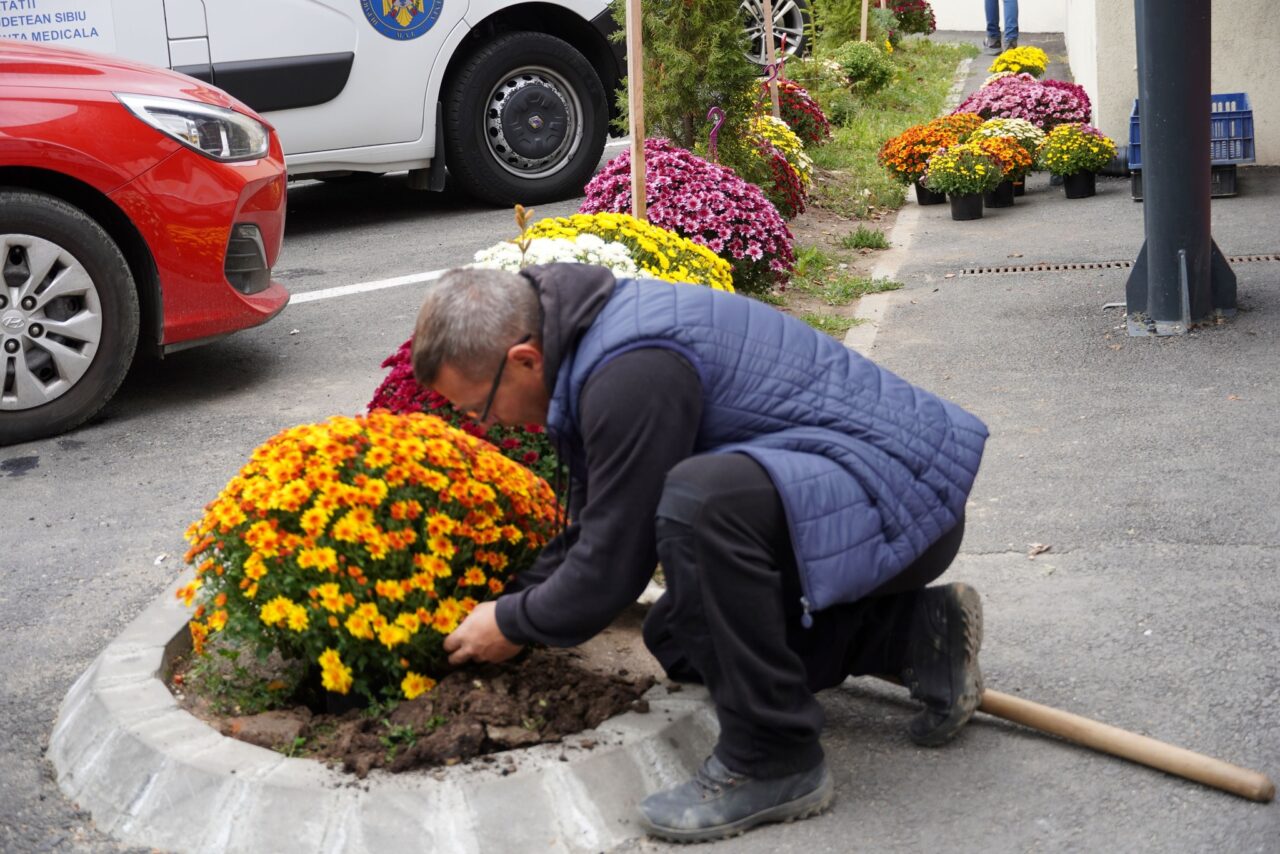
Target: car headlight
{"type": "Point", "coordinates": [213, 131]}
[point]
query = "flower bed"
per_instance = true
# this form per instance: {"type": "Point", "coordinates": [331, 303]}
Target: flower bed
{"type": "Point", "coordinates": [659, 253]}
{"type": "Point", "coordinates": [706, 203]}
{"type": "Point", "coordinates": [360, 543]}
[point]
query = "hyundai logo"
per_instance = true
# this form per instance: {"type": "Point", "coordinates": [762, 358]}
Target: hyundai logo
{"type": "Point", "coordinates": [13, 320]}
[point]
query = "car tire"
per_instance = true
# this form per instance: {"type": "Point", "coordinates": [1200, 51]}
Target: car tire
{"type": "Point", "coordinates": [83, 308]}
{"type": "Point", "coordinates": [525, 120]}
{"type": "Point", "coordinates": [789, 16]}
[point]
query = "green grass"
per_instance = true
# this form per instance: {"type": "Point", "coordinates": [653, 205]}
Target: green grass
{"type": "Point", "coordinates": [917, 94]}
{"type": "Point", "coordinates": [864, 238]}
{"type": "Point", "coordinates": [835, 325]}
{"type": "Point", "coordinates": [819, 274]}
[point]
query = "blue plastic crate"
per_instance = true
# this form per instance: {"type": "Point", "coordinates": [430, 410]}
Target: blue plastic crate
{"type": "Point", "coordinates": [1230, 131]}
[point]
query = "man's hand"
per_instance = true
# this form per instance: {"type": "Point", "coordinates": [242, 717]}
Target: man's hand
{"type": "Point", "coordinates": [479, 638]}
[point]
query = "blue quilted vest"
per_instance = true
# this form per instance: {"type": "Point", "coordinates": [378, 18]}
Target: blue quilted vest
{"type": "Point", "coordinates": [871, 469]}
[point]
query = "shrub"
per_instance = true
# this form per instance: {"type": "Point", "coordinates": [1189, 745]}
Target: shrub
{"type": "Point", "coordinates": [915, 16]}
{"type": "Point", "coordinates": [865, 66]}
{"type": "Point", "coordinates": [802, 113]}
{"type": "Point", "coordinates": [790, 168]}
{"type": "Point", "coordinates": [693, 59]}
{"type": "Point", "coordinates": [706, 203]}
{"type": "Point", "coordinates": [359, 543]}
{"type": "Point", "coordinates": [659, 252]}
{"type": "Point", "coordinates": [1075, 148]}
{"type": "Point", "coordinates": [1020, 96]}
{"type": "Point", "coordinates": [961, 170]}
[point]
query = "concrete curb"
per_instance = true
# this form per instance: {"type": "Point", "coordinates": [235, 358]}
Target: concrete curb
{"type": "Point", "coordinates": [151, 774]}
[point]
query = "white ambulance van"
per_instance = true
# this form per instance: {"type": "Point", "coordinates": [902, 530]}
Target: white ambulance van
{"type": "Point", "coordinates": [515, 97]}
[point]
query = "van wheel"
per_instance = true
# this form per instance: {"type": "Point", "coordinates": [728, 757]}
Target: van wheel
{"type": "Point", "coordinates": [525, 120]}
{"type": "Point", "coordinates": [68, 316]}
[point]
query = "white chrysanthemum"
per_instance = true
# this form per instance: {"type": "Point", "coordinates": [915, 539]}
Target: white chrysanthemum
{"type": "Point", "coordinates": [583, 249]}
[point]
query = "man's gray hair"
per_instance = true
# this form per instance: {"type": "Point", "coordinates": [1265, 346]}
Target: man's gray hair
{"type": "Point", "coordinates": [469, 318]}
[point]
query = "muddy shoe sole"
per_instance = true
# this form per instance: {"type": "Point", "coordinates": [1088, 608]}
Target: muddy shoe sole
{"type": "Point", "coordinates": [805, 806]}
{"type": "Point", "coordinates": [964, 629]}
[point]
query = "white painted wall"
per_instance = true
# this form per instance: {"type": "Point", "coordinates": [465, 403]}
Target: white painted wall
{"type": "Point", "coordinates": [1034, 16]}
{"type": "Point", "coordinates": [1245, 40]}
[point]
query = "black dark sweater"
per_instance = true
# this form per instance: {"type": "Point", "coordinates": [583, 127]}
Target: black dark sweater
{"type": "Point", "coordinates": [639, 416]}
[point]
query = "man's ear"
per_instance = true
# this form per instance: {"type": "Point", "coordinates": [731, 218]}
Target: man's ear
{"type": "Point", "coordinates": [528, 355]}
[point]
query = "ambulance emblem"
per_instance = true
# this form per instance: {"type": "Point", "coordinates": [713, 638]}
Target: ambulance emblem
{"type": "Point", "coordinates": [402, 19]}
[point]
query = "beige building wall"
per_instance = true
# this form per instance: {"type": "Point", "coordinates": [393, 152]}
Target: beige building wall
{"type": "Point", "coordinates": [1034, 16]}
{"type": "Point", "coordinates": [1246, 58]}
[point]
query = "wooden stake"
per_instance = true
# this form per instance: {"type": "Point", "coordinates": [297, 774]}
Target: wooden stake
{"type": "Point", "coordinates": [771, 54]}
{"type": "Point", "coordinates": [635, 105]}
{"type": "Point", "coordinates": [864, 20]}
{"type": "Point", "coordinates": [1104, 738]}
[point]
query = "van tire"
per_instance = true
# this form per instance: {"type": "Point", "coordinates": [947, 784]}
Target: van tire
{"type": "Point", "coordinates": [525, 120]}
{"type": "Point", "coordinates": [85, 249]}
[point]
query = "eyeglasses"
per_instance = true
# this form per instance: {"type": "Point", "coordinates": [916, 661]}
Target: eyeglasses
{"type": "Point", "coordinates": [497, 380]}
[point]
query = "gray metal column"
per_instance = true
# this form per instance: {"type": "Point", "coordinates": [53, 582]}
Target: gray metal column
{"type": "Point", "coordinates": [1180, 277]}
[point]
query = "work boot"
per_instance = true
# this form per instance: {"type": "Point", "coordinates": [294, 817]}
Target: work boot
{"type": "Point", "coordinates": [717, 803]}
{"type": "Point", "coordinates": [992, 45]}
{"type": "Point", "coordinates": [942, 662]}
{"type": "Point", "coordinates": [1010, 44]}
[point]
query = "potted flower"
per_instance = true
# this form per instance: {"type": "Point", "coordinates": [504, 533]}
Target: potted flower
{"type": "Point", "coordinates": [1044, 103]}
{"type": "Point", "coordinates": [1076, 152]}
{"type": "Point", "coordinates": [964, 172]}
{"type": "Point", "coordinates": [1014, 162]}
{"type": "Point", "coordinates": [1031, 60]}
{"type": "Point", "coordinates": [1023, 132]}
{"type": "Point", "coordinates": [905, 155]}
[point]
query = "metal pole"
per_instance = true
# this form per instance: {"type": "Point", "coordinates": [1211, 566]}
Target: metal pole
{"type": "Point", "coordinates": [1180, 277]}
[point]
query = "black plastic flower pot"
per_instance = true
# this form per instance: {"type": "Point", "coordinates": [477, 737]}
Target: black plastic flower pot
{"type": "Point", "coordinates": [1020, 188]}
{"type": "Point", "coordinates": [1000, 197]}
{"type": "Point", "coordinates": [966, 207]}
{"type": "Point", "coordinates": [925, 196]}
{"type": "Point", "coordinates": [1080, 185]}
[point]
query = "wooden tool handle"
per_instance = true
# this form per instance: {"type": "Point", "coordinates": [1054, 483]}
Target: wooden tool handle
{"type": "Point", "coordinates": [1129, 745]}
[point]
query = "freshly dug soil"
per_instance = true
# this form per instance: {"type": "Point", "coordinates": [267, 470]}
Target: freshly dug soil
{"type": "Point", "coordinates": [475, 711]}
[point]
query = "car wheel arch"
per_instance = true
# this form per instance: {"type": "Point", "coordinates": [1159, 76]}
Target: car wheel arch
{"type": "Point", "coordinates": [119, 227]}
{"type": "Point", "coordinates": [550, 20]}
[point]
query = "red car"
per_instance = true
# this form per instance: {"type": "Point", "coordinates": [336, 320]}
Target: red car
{"type": "Point", "coordinates": [139, 208]}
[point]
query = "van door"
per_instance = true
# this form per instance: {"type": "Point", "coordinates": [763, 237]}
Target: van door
{"type": "Point", "coordinates": [188, 38]}
{"type": "Point", "coordinates": [331, 74]}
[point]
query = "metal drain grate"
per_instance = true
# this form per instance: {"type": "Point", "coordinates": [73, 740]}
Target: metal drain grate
{"type": "Point", "coordinates": [1089, 265]}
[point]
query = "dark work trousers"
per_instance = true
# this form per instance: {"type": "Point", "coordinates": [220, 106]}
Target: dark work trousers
{"type": "Point", "coordinates": [731, 615]}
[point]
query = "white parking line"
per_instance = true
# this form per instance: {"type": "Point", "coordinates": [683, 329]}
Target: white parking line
{"type": "Point", "coordinates": [363, 287]}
